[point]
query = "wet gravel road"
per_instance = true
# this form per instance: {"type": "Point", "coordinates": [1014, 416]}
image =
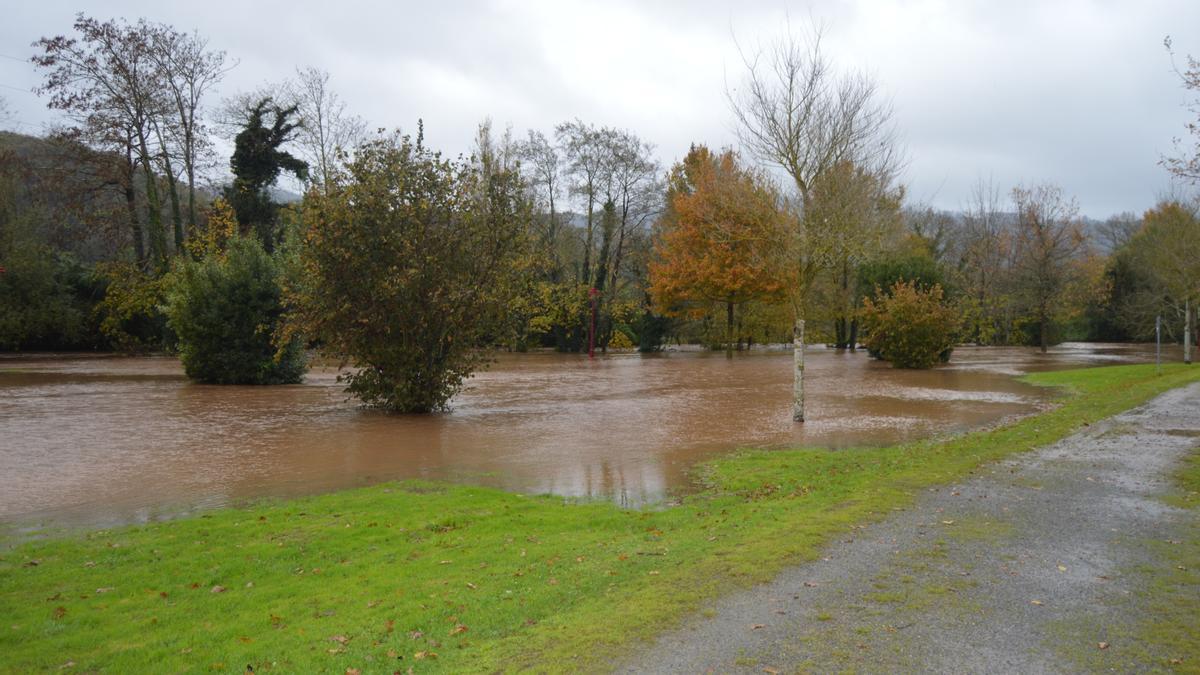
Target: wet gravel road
{"type": "Point", "coordinates": [1030, 566]}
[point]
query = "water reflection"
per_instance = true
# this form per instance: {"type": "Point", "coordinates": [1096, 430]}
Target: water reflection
{"type": "Point", "coordinates": [103, 440]}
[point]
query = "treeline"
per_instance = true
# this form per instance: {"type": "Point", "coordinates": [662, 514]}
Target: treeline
{"type": "Point", "coordinates": [115, 235]}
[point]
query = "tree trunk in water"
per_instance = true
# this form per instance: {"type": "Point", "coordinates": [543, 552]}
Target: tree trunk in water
{"type": "Point", "coordinates": [729, 330]}
{"type": "Point", "coordinates": [1042, 334]}
{"type": "Point", "coordinates": [798, 371]}
{"type": "Point", "coordinates": [853, 334]}
{"type": "Point", "coordinates": [1187, 331]}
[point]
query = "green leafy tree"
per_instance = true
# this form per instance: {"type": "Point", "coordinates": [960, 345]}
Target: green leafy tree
{"type": "Point", "coordinates": [407, 269]}
{"type": "Point", "coordinates": [257, 162]}
{"type": "Point", "coordinates": [910, 326]}
{"type": "Point", "coordinates": [226, 311]}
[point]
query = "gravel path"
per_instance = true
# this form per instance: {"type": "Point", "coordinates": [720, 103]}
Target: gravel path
{"type": "Point", "coordinates": [1027, 567]}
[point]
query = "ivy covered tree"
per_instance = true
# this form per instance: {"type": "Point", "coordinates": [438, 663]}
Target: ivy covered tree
{"type": "Point", "coordinates": [258, 161]}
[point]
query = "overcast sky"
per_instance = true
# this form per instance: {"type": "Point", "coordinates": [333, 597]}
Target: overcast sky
{"type": "Point", "coordinates": [1077, 93]}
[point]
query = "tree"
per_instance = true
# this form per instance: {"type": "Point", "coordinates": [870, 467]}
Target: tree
{"type": "Point", "coordinates": [188, 69]}
{"type": "Point", "coordinates": [1049, 241]}
{"type": "Point", "coordinates": [258, 160]}
{"type": "Point", "coordinates": [796, 113]}
{"type": "Point", "coordinates": [587, 157]}
{"type": "Point", "coordinates": [909, 326]}
{"type": "Point", "coordinates": [107, 83]}
{"type": "Point", "coordinates": [407, 267]}
{"type": "Point", "coordinates": [1186, 164]}
{"type": "Point", "coordinates": [715, 242]}
{"type": "Point", "coordinates": [226, 310]}
{"type": "Point", "coordinates": [983, 257]}
{"type": "Point", "coordinates": [858, 210]}
{"type": "Point", "coordinates": [545, 166]}
{"type": "Point", "coordinates": [1167, 251]}
{"type": "Point", "coordinates": [325, 126]}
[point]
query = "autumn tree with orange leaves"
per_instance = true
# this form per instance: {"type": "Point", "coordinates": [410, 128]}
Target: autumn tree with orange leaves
{"type": "Point", "coordinates": [716, 240]}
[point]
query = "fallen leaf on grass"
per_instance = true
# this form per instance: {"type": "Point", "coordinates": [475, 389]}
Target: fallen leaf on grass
{"type": "Point", "coordinates": [1062, 568]}
{"type": "Point", "coordinates": [471, 586]}
{"type": "Point", "coordinates": [217, 589]}
{"type": "Point", "coordinates": [59, 612]}
{"type": "Point", "coordinates": [770, 670]}
{"type": "Point", "coordinates": [415, 635]}
{"type": "Point", "coordinates": [1039, 603]}
{"type": "Point", "coordinates": [1102, 645]}
{"type": "Point", "coordinates": [68, 664]}
{"type": "Point", "coordinates": [103, 590]}
{"type": "Point", "coordinates": [340, 639]}
{"type": "Point", "coordinates": [809, 584]}
{"type": "Point", "coordinates": [947, 522]}
{"type": "Point", "coordinates": [353, 671]}
{"type": "Point", "coordinates": [757, 626]}
{"type": "Point", "coordinates": [459, 629]}
{"type": "Point", "coordinates": [336, 650]}
{"type": "Point", "coordinates": [425, 655]}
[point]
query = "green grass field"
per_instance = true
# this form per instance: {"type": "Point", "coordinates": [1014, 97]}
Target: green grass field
{"type": "Point", "coordinates": [440, 577]}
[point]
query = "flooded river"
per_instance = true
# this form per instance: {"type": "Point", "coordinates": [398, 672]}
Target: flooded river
{"type": "Point", "coordinates": [97, 441]}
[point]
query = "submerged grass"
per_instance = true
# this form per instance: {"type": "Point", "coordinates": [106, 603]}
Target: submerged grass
{"type": "Point", "coordinates": [453, 578]}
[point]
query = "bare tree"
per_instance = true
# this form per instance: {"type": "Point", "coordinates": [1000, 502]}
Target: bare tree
{"type": "Point", "coordinates": [325, 125]}
{"type": "Point", "coordinates": [189, 70]}
{"type": "Point", "coordinates": [1186, 164]}
{"type": "Point", "coordinates": [984, 255]}
{"type": "Point", "coordinates": [543, 164]}
{"type": "Point", "coordinates": [587, 160]}
{"type": "Point", "coordinates": [795, 112]}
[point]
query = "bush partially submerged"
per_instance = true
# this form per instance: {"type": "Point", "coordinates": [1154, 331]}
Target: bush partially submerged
{"type": "Point", "coordinates": [909, 326]}
{"type": "Point", "coordinates": [408, 268]}
{"type": "Point", "coordinates": [225, 311]}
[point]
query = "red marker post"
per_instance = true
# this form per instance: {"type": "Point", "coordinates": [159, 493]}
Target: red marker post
{"type": "Point", "coordinates": [593, 294]}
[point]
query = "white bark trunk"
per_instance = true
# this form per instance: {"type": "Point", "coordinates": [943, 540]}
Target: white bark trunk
{"type": "Point", "coordinates": [798, 371]}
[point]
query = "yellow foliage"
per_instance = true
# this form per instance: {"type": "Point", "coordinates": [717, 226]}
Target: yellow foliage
{"type": "Point", "coordinates": [212, 238]}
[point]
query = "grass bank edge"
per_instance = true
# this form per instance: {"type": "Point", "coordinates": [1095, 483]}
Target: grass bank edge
{"type": "Point", "coordinates": [760, 512]}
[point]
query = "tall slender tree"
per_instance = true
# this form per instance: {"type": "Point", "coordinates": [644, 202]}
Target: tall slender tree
{"type": "Point", "coordinates": [795, 112]}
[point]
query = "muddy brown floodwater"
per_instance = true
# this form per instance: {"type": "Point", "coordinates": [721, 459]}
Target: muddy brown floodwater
{"type": "Point", "coordinates": [98, 441]}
